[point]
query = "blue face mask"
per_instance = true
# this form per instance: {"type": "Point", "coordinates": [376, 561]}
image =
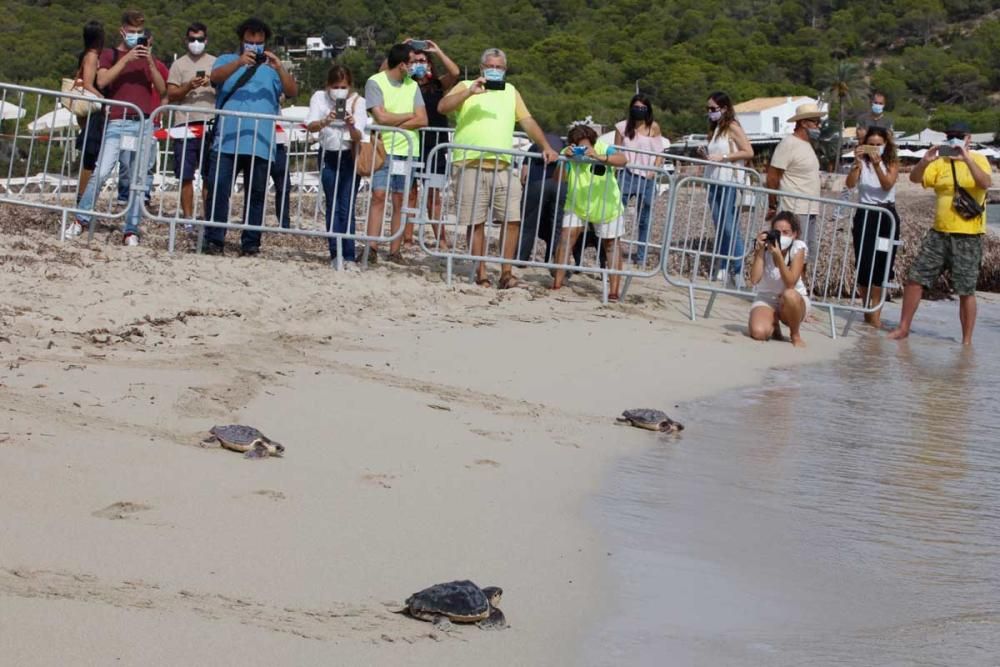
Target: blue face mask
{"type": "Point", "coordinates": [877, 108]}
{"type": "Point", "coordinates": [494, 74]}
{"type": "Point", "coordinates": [256, 48]}
{"type": "Point", "coordinates": [132, 39]}
{"type": "Point", "coordinates": [418, 70]}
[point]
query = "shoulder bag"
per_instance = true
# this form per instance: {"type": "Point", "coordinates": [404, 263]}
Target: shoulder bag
{"type": "Point", "coordinates": [79, 107]}
{"type": "Point", "coordinates": [963, 202]}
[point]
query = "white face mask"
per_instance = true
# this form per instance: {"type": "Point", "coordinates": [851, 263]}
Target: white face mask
{"type": "Point", "coordinates": [338, 93]}
{"type": "Point", "coordinates": [786, 242]}
{"type": "Point", "coordinates": [196, 48]}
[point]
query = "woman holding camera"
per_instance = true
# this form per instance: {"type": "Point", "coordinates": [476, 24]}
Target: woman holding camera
{"type": "Point", "coordinates": [874, 173]}
{"type": "Point", "coordinates": [338, 114]}
{"type": "Point", "coordinates": [778, 260]}
{"type": "Point", "coordinates": [728, 147]}
{"type": "Point", "coordinates": [593, 201]}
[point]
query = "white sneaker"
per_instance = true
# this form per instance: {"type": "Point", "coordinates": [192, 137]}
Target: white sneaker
{"type": "Point", "coordinates": [721, 275]}
{"type": "Point", "coordinates": [131, 240]}
{"type": "Point", "coordinates": [74, 229]}
{"type": "Point", "coordinates": [736, 281]}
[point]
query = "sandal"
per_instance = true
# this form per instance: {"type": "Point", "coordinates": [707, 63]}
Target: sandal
{"type": "Point", "coordinates": [484, 282]}
{"type": "Point", "coordinates": [612, 298]}
{"type": "Point", "coordinates": [372, 256]}
{"type": "Point", "coordinates": [508, 281]}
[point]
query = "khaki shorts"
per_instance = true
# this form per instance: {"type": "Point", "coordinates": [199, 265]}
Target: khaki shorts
{"type": "Point", "coordinates": [485, 195]}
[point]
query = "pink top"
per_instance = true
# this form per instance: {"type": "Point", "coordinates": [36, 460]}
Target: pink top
{"type": "Point", "coordinates": [641, 142]}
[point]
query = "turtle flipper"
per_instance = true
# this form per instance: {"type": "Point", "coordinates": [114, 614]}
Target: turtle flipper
{"type": "Point", "coordinates": [258, 450]}
{"type": "Point", "coordinates": [442, 623]}
{"type": "Point", "coordinates": [495, 621]}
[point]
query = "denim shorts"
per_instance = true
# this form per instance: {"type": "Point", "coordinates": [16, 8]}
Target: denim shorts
{"type": "Point", "coordinates": [381, 180]}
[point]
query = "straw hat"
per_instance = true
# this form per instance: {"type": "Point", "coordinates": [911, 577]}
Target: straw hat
{"type": "Point", "coordinates": [804, 111]}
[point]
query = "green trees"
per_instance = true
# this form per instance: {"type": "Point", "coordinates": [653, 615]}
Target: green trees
{"type": "Point", "coordinates": [578, 57]}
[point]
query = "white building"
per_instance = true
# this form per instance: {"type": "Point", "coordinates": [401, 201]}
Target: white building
{"type": "Point", "coordinates": [769, 115]}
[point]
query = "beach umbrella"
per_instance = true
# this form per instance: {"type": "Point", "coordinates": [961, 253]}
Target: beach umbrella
{"type": "Point", "coordinates": [53, 120]}
{"type": "Point", "coordinates": [9, 111]}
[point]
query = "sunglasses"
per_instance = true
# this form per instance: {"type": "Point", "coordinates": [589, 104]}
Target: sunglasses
{"type": "Point", "coordinates": [191, 40]}
{"type": "Point", "coordinates": [713, 108]}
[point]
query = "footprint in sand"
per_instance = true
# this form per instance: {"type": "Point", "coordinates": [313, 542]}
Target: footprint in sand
{"type": "Point", "coordinates": [379, 479]}
{"type": "Point", "coordinates": [268, 493]}
{"type": "Point", "coordinates": [485, 462]}
{"type": "Point", "coordinates": [492, 435]}
{"type": "Point", "coordinates": [121, 510]}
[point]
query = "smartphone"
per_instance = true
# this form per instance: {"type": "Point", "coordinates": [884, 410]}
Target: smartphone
{"type": "Point", "coordinates": [947, 150]}
{"type": "Point", "coordinates": [142, 41]}
{"type": "Point", "coordinates": [419, 44]}
{"type": "Point", "coordinates": [869, 150]}
{"type": "Point", "coordinates": [340, 109]}
{"type": "Point", "coordinates": [200, 74]}
{"type": "Point", "coordinates": [495, 85]}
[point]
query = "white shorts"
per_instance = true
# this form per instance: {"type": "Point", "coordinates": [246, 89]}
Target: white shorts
{"type": "Point", "coordinates": [771, 301]}
{"type": "Point", "coordinates": [604, 230]}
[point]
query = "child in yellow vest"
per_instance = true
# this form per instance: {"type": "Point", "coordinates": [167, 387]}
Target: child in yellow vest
{"type": "Point", "coordinates": [592, 197]}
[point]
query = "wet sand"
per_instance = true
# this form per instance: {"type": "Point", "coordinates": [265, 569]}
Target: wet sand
{"type": "Point", "coordinates": [432, 433]}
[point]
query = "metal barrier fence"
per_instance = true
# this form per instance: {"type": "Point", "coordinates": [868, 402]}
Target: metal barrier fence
{"type": "Point", "coordinates": [713, 226]}
{"type": "Point", "coordinates": [318, 194]}
{"type": "Point", "coordinates": [542, 200]}
{"type": "Point", "coordinates": [49, 170]}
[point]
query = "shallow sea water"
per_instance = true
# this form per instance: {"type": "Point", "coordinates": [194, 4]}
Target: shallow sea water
{"type": "Point", "coordinates": [840, 514]}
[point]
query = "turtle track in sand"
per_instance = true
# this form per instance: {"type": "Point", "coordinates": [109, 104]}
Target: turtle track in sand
{"type": "Point", "coordinates": [339, 622]}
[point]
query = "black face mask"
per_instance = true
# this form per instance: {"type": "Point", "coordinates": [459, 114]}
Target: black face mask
{"type": "Point", "coordinates": [638, 114]}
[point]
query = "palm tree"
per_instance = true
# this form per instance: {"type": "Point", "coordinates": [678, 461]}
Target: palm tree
{"type": "Point", "coordinates": [842, 81]}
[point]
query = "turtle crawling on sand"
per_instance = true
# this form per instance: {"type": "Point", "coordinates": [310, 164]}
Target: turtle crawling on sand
{"type": "Point", "coordinates": [245, 439]}
{"type": "Point", "coordinates": [652, 420]}
{"type": "Point", "coordinates": [458, 601]}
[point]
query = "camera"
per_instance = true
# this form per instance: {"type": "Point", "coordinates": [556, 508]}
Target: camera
{"type": "Point", "coordinates": [419, 44]}
{"type": "Point", "coordinates": [579, 151]}
{"type": "Point", "coordinates": [773, 238]}
{"type": "Point", "coordinates": [260, 58]}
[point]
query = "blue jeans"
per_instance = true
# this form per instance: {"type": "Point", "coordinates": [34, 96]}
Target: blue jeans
{"type": "Point", "coordinates": [644, 190]}
{"type": "Point", "coordinates": [282, 185]}
{"type": "Point", "coordinates": [254, 170]}
{"type": "Point", "coordinates": [125, 176]}
{"type": "Point", "coordinates": [339, 188]}
{"type": "Point", "coordinates": [726, 216]}
{"type": "Point", "coordinates": [111, 151]}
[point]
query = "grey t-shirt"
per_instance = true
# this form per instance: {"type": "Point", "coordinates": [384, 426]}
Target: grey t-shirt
{"type": "Point", "coordinates": [374, 97]}
{"type": "Point", "coordinates": [868, 119]}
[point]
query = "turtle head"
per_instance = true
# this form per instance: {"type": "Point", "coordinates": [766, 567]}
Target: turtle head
{"type": "Point", "coordinates": [670, 426]}
{"type": "Point", "coordinates": [493, 594]}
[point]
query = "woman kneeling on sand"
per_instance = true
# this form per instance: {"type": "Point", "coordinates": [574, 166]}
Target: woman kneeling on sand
{"type": "Point", "coordinates": [778, 260]}
{"type": "Point", "coordinates": [592, 198]}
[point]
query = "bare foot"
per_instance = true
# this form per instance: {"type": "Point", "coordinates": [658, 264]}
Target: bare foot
{"type": "Point", "coordinates": [898, 334]}
{"type": "Point", "coordinates": [777, 334]}
{"type": "Point", "coordinates": [797, 341]}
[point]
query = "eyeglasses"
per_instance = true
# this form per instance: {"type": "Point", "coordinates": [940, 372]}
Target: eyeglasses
{"type": "Point", "coordinates": [191, 40]}
{"type": "Point", "coordinates": [640, 107]}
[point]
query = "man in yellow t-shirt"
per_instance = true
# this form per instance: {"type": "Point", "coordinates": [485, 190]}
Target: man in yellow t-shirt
{"type": "Point", "coordinates": [955, 242]}
{"type": "Point", "coordinates": [485, 114]}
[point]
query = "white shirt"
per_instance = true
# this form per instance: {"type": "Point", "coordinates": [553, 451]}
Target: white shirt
{"type": "Point", "coordinates": [336, 137]}
{"type": "Point", "coordinates": [870, 189]}
{"type": "Point", "coordinates": [722, 144]}
{"type": "Point", "coordinates": [771, 283]}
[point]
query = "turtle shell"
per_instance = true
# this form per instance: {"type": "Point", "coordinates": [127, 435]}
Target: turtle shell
{"type": "Point", "coordinates": [460, 601]}
{"type": "Point", "coordinates": [646, 416]}
{"type": "Point", "coordinates": [237, 435]}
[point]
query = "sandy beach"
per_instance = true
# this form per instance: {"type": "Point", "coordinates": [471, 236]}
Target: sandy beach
{"type": "Point", "coordinates": [432, 433]}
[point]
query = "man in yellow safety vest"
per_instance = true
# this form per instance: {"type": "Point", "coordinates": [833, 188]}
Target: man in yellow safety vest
{"type": "Point", "coordinates": [486, 110]}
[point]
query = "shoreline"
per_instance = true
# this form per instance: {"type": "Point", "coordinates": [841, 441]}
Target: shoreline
{"type": "Point", "coordinates": [433, 433]}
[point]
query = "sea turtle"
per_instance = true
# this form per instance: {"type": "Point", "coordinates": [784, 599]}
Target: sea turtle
{"type": "Point", "coordinates": [245, 439]}
{"type": "Point", "coordinates": [653, 420]}
{"type": "Point", "coordinates": [458, 601]}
